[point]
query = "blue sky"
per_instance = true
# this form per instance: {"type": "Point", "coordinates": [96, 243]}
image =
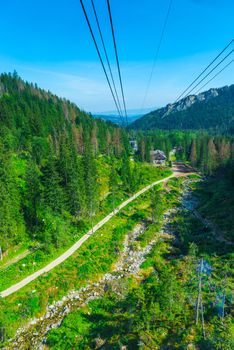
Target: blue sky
{"type": "Point", "coordinates": [48, 42]}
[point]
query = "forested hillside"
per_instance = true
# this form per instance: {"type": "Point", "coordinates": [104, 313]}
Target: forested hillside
{"type": "Point", "coordinates": [202, 150]}
{"type": "Point", "coordinates": [49, 164]}
{"type": "Point", "coordinates": [159, 307]}
{"type": "Point", "coordinates": [212, 110]}
{"type": "Point", "coordinates": [62, 171]}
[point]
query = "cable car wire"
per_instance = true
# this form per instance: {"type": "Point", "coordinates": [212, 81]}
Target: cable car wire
{"type": "Point", "coordinates": [168, 112]}
{"type": "Point", "coordinates": [226, 47]}
{"type": "Point", "coordinates": [106, 55]}
{"type": "Point", "coordinates": [99, 55]}
{"type": "Point", "coordinates": [117, 59]}
{"type": "Point", "coordinates": [227, 65]}
{"type": "Point", "coordinates": [209, 72]}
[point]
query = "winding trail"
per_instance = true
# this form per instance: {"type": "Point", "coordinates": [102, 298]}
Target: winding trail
{"type": "Point", "coordinates": [178, 170]}
{"type": "Point", "coordinates": [33, 335]}
{"type": "Point", "coordinates": [15, 259]}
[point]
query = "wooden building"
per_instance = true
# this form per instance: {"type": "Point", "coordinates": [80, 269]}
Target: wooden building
{"type": "Point", "coordinates": [158, 157]}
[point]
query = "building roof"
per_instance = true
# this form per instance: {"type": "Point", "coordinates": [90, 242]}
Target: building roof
{"type": "Point", "coordinates": [158, 155]}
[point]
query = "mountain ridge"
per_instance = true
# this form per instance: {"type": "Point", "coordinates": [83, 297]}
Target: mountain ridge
{"type": "Point", "coordinates": [212, 109]}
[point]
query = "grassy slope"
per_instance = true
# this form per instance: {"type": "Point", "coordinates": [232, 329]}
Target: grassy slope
{"type": "Point", "coordinates": [157, 311]}
{"type": "Point", "coordinates": [86, 328]}
{"type": "Point", "coordinates": [39, 258]}
{"type": "Point", "coordinates": [92, 260]}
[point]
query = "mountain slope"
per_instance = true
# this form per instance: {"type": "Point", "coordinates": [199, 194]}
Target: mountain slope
{"type": "Point", "coordinates": [210, 110]}
{"type": "Point", "coordinates": [49, 151]}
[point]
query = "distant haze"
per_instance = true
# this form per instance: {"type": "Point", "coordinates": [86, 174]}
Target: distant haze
{"type": "Point", "coordinates": [132, 112]}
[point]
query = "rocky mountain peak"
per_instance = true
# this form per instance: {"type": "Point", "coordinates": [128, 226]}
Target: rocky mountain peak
{"type": "Point", "coordinates": [188, 101]}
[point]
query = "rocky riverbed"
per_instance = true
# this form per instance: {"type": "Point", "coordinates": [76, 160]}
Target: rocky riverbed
{"type": "Point", "coordinates": [131, 258]}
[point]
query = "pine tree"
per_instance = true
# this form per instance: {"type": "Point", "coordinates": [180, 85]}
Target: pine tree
{"type": "Point", "coordinates": [193, 153]}
{"type": "Point", "coordinates": [142, 150]}
{"type": "Point", "coordinates": [211, 156]}
{"type": "Point", "coordinates": [135, 179]}
{"type": "Point", "coordinates": [202, 158]}
{"type": "Point", "coordinates": [224, 152]}
{"type": "Point", "coordinates": [33, 194]}
{"type": "Point", "coordinates": [108, 143]}
{"type": "Point", "coordinates": [94, 140]}
{"type": "Point", "coordinates": [75, 189]}
{"type": "Point", "coordinates": [76, 138]}
{"type": "Point", "coordinates": [90, 172]}
{"type": "Point", "coordinates": [53, 192]}
{"type": "Point", "coordinates": [117, 142]}
{"type": "Point", "coordinates": [64, 158]}
{"type": "Point", "coordinates": [113, 184]}
{"type": "Point", "coordinates": [11, 219]}
{"type": "Point", "coordinates": [81, 140]}
{"type": "Point", "coordinates": [147, 150]}
{"type": "Point", "coordinates": [126, 175]}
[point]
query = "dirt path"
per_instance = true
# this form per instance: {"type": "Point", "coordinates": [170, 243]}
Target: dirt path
{"type": "Point", "coordinates": [15, 259]}
{"type": "Point", "coordinates": [33, 336]}
{"type": "Point", "coordinates": [128, 263]}
{"type": "Point", "coordinates": [18, 258]}
{"type": "Point", "coordinates": [178, 170]}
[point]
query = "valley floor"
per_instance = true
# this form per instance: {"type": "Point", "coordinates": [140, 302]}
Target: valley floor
{"type": "Point", "coordinates": [160, 255]}
{"type": "Point", "coordinates": [158, 306]}
{"type": "Point", "coordinates": [178, 170]}
{"type": "Point", "coordinates": [128, 264]}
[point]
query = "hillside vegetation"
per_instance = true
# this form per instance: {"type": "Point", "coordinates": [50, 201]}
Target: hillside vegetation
{"type": "Point", "coordinates": [212, 110]}
{"type": "Point", "coordinates": [49, 174]}
{"type": "Point", "coordinates": [157, 308]}
{"type": "Point", "coordinates": [202, 150]}
{"type": "Point", "coordinates": [60, 172]}
{"type": "Point", "coordinates": [216, 196]}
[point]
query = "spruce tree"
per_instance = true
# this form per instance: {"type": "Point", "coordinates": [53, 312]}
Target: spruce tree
{"type": "Point", "coordinates": [211, 156]}
{"type": "Point", "coordinates": [142, 150]}
{"type": "Point", "coordinates": [94, 140]}
{"type": "Point", "coordinates": [75, 188]}
{"type": "Point", "coordinates": [90, 179]}
{"type": "Point", "coordinates": [53, 192]}
{"type": "Point", "coordinates": [108, 143]}
{"type": "Point", "coordinates": [33, 195]}
{"type": "Point", "coordinates": [12, 227]}
{"type": "Point", "coordinates": [117, 142]}
{"type": "Point", "coordinates": [224, 152]}
{"type": "Point", "coordinates": [126, 175]}
{"type": "Point", "coordinates": [203, 155]}
{"type": "Point", "coordinates": [113, 184]}
{"type": "Point", "coordinates": [193, 153]}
